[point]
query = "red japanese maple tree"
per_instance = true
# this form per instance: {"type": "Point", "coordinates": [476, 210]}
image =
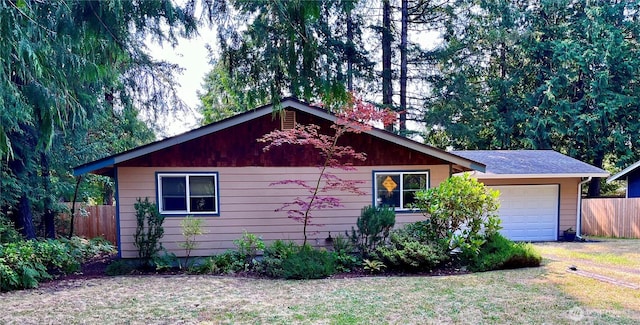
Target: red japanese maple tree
{"type": "Point", "coordinates": [355, 117]}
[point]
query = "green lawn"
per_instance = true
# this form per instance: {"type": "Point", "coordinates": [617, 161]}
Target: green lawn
{"type": "Point", "coordinates": [548, 294]}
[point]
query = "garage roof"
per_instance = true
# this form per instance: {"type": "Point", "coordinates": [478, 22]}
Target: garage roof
{"type": "Point", "coordinates": [530, 164]}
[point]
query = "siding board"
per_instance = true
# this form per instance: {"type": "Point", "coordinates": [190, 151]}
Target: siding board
{"type": "Point", "coordinates": [247, 203]}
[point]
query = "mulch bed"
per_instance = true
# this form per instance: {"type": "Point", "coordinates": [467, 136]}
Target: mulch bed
{"type": "Point", "coordinates": [95, 268]}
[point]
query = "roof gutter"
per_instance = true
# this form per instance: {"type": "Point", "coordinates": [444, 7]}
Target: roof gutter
{"type": "Point", "coordinates": [579, 210]}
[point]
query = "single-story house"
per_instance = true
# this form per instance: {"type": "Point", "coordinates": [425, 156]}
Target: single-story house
{"type": "Point", "coordinates": [630, 174]}
{"type": "Point", "coordinates": [220, 173]}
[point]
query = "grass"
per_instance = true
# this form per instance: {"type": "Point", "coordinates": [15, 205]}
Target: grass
{"type": "Point", "coordinates": [615, 258]}
{"type": "Point", "coordinates": [548, 294]}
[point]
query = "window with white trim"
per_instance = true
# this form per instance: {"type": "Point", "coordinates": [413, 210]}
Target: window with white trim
{"type": "Point", "coordinates": [398, 189]}
{"type": "Point", "coordinates": [184, 193]}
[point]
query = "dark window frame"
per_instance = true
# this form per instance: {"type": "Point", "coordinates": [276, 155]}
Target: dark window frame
{"type": "Point", "coordinates": [188, 197]}
{"type": "Point", "coordinates": [400, 174]}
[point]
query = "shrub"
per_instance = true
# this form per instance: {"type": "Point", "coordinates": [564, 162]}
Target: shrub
{"type": "Point", "coordinates": [165, 261]}
{"type": "Point", "coordinates": [344, 257]}
{"type": "Point", "coordinates": [373, 266]}
{"type": "Point", "coordinates": [501, 253]}
{"type": "Point", "coordinates": [248, 246]}
{"type": "Point", "coordinates": [461, 211]}
{"type": "Point", "coordinates": [229, 262]}
{"type": "Point", "coordinates": [206, 266]}
{"type": "Point", "coordinates": [82, 249]}
{"type": "Point", "coordinates": [23, 264]}
{"type": "Point", "coordinates": [373, 225]}
{"type": "Point", "coordinates": [308, 263]}
{"type": "Point", "coordinates": [191, 227]}
{"type": "Point", "coordinates": [149, 231]}
{"type": "Point", "coordinates": [8, 232]}
{"type": "Point", "coordinates": [275, 254]}
{"type": "Point", "coordinates": [119, 267]}
{"type": "Point", "coordinates": [409, 254]}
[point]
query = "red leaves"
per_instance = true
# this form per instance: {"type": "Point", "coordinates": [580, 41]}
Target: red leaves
{"type": "Point", "coordinates": [356, 117]}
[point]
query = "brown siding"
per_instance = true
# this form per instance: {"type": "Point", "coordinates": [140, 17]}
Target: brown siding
{"type": "Point", "coordinates": [247, 202]}
{"type": "Point", "coordinates": [237, 147]}
{"type": "Point", "coordinates": [568, 196]}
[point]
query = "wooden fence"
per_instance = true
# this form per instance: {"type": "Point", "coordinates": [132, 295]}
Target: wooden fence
{"type": "Point", "coordinates": [97, 221]}
{"type": "Point", "coordinates": [611, 217]}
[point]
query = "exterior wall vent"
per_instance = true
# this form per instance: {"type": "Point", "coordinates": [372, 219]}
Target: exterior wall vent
{"type": "Point", "coordinates": [288, 119]}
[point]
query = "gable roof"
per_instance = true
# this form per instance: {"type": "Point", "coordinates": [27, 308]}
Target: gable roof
{"type": "Point", "coordinates": [530, 164]}
{"type": "Point", "coordinates": [624, 172]}
{"type": "Point", "coordinates": [105, 165]}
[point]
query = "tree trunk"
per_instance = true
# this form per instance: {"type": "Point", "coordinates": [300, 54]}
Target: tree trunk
{"type": "Point", "coordinates": [594, 185]}
{"type": "Point", "coordinates": [387, 87]}
{"type": "Point", "coordinates": [403, 67]}
{"type": "Point", "coordinates": [48, 216]}
{"type": "Point", "coordinates": [107, 194]}
{"type": "Point", "coordinates": [350, 51]}
{"type": "Point", "coordinates": [24, 218]}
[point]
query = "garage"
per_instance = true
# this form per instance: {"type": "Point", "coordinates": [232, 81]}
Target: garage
{"type": "Point", "coordinates": [529, 212]}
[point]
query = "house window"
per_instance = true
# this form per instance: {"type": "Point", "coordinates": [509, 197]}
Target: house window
{"type": "Point", "coordinates": [188, 193]}
{"type": "Point", "coordinates": [398, 189]}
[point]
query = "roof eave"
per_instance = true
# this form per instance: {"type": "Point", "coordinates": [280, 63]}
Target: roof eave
{"type": "Point", "coordinates": [514, 176]}
{"type": "Point", "coordinates": [111, 161]}
{"type": "Point", "coordinates": [624, 172]}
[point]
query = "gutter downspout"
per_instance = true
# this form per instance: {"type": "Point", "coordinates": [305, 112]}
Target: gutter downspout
{"type": "Point", "coordinates": [579, 210]}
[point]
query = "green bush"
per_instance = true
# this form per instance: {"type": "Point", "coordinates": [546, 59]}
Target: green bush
{"type": "Point", "coordinates": [149, 231]}
{"type": "Point", "coordinates": [407, 253]}
{"type": "Point", "coordinates": [205, 266]}
{"type": "Point", "coordinates": [241, 260]}
{"type": "Point", "coordinates": [230, 262]}
{"type": "Point", "coordinates": [344, 256]}
{"type": "Point", "coordinates": [8, 232]}
{"type": "Point", "coordinates": [248, 247]}
{"type": "Point", "coordinates": [373, 225]}
{"type": "Point", "coordinates": [23, 264]}
{"type": "Point", "coordinates": [119, 267]}
{"type": "Point", "coordinates": [274, 256]}
{"type": "Point", "coordinates": [501, 253]}
{"type": "Point", "coordinates": [83, 249]}
{"type": "Point", "coordinates": [308, 263]}
{"type": "Point", "coordinates": [191, 227]}
{"type": "Point", "coordinates": [461, 211]}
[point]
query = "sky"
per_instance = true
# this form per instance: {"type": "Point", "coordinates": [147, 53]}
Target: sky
{"type": "Point", "coordinates": [193, 56]}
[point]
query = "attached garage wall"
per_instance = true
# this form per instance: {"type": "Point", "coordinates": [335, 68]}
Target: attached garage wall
{"type": "Point", "coordinates": [247, 202]}
{"type": "Point", "coordinates": [568, 196]}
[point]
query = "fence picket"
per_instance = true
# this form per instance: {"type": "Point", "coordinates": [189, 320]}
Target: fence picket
{"type": "Point", "coordinates": [100, 221]}
{"type": "Point", "coordinates": [611, 217]}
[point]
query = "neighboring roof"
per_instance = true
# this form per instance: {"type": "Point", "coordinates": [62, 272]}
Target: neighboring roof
{"type": "Point", "coordinates": [624, 172]}
{"type": "Point", "coordinates": [530, 164]}
{"type": "Point", "coordinates": [105, 165]}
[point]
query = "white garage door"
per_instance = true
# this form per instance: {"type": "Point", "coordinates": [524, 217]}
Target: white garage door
{"type": "Point", "coordinates": [529, 212]}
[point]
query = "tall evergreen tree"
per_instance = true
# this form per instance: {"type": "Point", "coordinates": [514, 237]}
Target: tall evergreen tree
{"type": "Point", "coordinates": [67, 62]}
{"type": "Point", "coordinates": [542, 74]}
{"type": "Point", "coordinates": [307, 49]}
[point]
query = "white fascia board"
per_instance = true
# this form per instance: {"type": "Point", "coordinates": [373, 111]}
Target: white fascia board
{"type": "Point", "coordinates": [623, 172]}
{"type": "Point", "coordinates": [514, 176]}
